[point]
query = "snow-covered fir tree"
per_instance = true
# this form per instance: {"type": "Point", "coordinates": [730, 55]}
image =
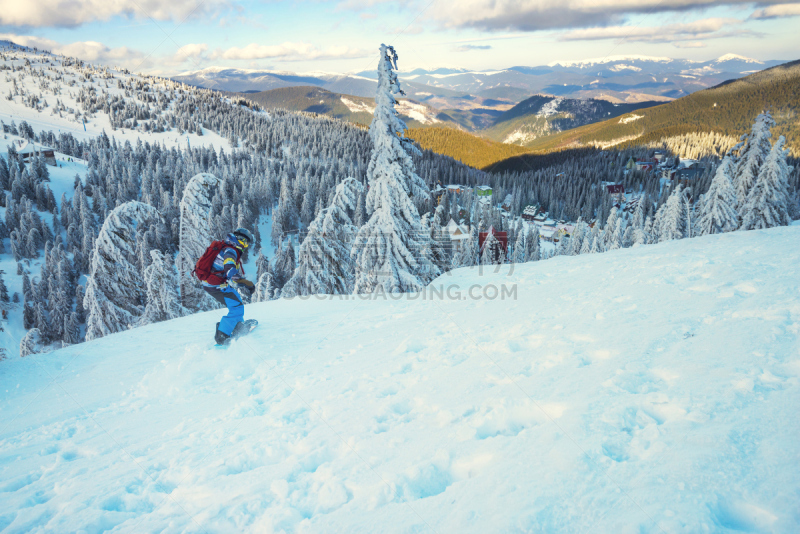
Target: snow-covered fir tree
{"type": "Point", "coordinates": [388, 247]}
{"type": "Point", "coordinates": [752, 156]}
{"type": "Point", "coordinates": [767, 203]}
{"type": "Point", "coordinates": [532, 246]}
{"type": "Point", "coordinates": [115, 292]}
{"type": "Point", "coordinates": [30, 343]}
{"type": "Point", "coordinates": [467, 253]}
{"type": "Point", "coordinates": [195, 236]}
{"type": "Point", "coordinates": [718, 211]}
{"type": "Point", "coordinates": [265, 290]}
{"type": "Point", "coordinates": [324, 263]}
{"type": "Point", "coordinates": [671, 217]}
{"type": "Point", "coordinates": [161, 284]}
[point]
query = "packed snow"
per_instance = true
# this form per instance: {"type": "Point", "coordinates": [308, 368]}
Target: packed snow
{"type": "Point", "coordinates": [630, 118]}
{"type": "Point", "coordinates": [550, 108]}
{"type": "Point", "coordinates": [356, 107]}
{"type": "Point", "coordinates": [650, 389]}
{"type": "Point", "coordinates": [417, 112]}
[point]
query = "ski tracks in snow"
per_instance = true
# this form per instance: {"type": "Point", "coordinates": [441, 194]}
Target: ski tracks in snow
{"type": "Point", "coordinates": [647, 389]}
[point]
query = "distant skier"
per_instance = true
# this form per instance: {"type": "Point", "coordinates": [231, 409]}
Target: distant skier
{"type": "Point", "coordinates": [222, 274]}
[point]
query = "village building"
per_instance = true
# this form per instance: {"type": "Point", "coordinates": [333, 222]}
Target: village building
{"type": "Point", "coordinates": [615, 191]}
{"type": "Point", "coordinates": [28, 150]}
{"type": "Point", "coordinates": [530, 212]}
{"type": "Point", "coordinates": [484, 193]}
{"type": "Point", "coordinates": [459, 234]}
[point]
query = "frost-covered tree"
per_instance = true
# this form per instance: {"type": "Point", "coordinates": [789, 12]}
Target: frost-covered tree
{"type": "Point", "coordinates": [30, 343]}
{"type": "Point", "coordinates": [388, 247]}
{"type": "Point", "coordinates": [671, 217]}
{"type": "Point", "coordinates": [491, 252]}
{"type": "Point", "coordinates": [752, 156]}
{"type": "Point", "coordinates": [518, 254]}
{"type": "Point", "coordinates": [639, 236]}
{"type": "Point", "coordinates": [285, 264]}
{"type": "Point", "coordinates": [72, 329]}
{"type": "Point", "coordinates": [115, 291]}
{"type": "Point", "coordinates": [161, 285]}
{"type": "Point", "coordinates": [324, 264]}
{"type": "Point", "coordinates": [265, 290]}
{"type": "Point", "coordinates": [195, 236]}
{"type": "Point", "coordinates": [532, 246]}
{"type": "Point", "coordinates": [718, 210]}
{"type": "Point", "coordinates": [767, 204]}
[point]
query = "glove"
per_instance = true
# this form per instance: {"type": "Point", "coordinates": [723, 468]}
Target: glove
{"type": "Point", "coordinates": [247, 285]}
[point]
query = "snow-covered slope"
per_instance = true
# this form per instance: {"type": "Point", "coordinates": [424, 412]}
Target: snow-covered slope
{"type": "Point", "coordinates": [644, 390]}
{"type": "Point", "coordinates": [52, 92]}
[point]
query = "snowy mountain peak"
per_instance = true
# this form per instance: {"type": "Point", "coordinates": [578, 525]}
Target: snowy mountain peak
{"type": "Point", "coordinates": [736, 57]}
{"type": "Point", "coordinates": [607, 59]}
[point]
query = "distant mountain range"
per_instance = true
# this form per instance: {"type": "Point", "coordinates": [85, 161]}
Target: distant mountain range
{"type": "Point", "coordinates": [614, 78]}
{"type": "Point", "coordinates": [728, 109]}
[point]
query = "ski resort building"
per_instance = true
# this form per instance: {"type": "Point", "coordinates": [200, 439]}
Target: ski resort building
{"type": "Point", "coordinates": [530, 212]}
{"type": "Point", "coordinates": [484, 193]}
{"type": "Point", "coordinates": [459, 234]}
{"type": "Point", "coordinates": [502, 238]}
{"type": "Point", "coordinates": [28, 150]}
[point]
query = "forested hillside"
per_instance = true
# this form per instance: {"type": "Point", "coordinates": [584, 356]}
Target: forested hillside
{"type": "Point", "coordinates": [541, 116]}
{"type": "Point", "coordinates": [728, 108]}
{"type": "Point", "coordinates": [467, 148]}
{"type": "Point", "coordinates": [349, 108]}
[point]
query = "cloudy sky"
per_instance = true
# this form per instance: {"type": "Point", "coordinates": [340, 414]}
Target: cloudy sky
{"type": "Point", "coordinates": [167, 37]}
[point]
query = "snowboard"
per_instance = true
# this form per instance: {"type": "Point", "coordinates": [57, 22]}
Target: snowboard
{"type": "Point", "coordinates": [241, 330]}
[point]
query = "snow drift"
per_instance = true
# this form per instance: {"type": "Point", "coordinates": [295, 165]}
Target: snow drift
{"type": "Point", "coordinates": [652, 389]}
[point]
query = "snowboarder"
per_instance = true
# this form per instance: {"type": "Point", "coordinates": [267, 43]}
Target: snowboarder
{"type": "Point", "coordinates": [225, 276]}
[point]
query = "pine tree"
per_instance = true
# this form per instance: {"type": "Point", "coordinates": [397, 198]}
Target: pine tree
{"type": "Point", "coordinates": [324, 264]}
{"type": "Point", "coordinates": [532, 246]}
{"type": "Point", "coordinates": [609, 238]}
{"type": "Point", "coordinates": [4, 298]}
{"type": "Point", "coordinates": [30, 343]}
{"type": "Point", "coordinates": [752, 157]}
{"type": "Point", "coordinates": [195, 237]}
{"type": "Point", "coordinates": [72, 329]}
{"type": "Point", "coordinates": [767, 204]}
{"type": "Point", "coordinates": [115, 292]}
{"type": "Point", "coordinates": [518, 255]}
{"type": "Point", "coordinates": [490, 251]}
{"type": "Point", "coordinates": [387, 248]}
{"type": "Point", "coordinates": [673, 217]}
{"type": "Point", "coordinates": [161, 285]}
{"type": "Point", "coordinates": [264, 288]}
{"type": "Point", "coordinates": [719, 213]}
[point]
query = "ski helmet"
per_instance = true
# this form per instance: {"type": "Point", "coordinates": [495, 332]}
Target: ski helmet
{"type": "Point", "coordinates": [243, 234]}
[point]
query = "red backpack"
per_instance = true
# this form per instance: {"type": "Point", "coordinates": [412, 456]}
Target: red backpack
{"type": "Point", "coordinates": [204, 268]}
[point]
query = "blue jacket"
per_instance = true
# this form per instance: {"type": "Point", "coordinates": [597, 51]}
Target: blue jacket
{"type": "Point", "coordinates": [226, 262]}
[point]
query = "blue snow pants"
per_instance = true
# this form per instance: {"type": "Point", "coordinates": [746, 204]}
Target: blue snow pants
{"type": "Point", "coordinates": [230, 298]}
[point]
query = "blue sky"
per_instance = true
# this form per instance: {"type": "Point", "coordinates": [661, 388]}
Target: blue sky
{"type": "Point", "coordinates": [343, 35]}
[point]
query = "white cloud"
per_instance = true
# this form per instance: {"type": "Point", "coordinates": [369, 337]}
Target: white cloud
{"type": "Point", "coordinates": [532, 15]}
{"type": "Point", "coordinates": [288, 52]}
{"type": "Point", "coordinates": [66, 13]}
{"type": "Point", "coordinates": [692, 31]}
{"type": "Point", "coordinates": [690, 44]}
{"type": "Point", "coordinates": [90, 51]}
{"type": "Point", "coordinates": [773, 12]}
{"type": "Point", "coordinates": [471, 47]}
{"type": "Point", "coordinates": [191, 50]}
